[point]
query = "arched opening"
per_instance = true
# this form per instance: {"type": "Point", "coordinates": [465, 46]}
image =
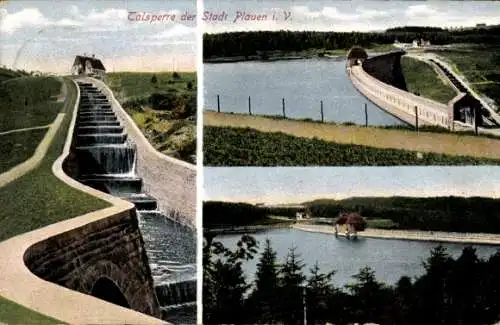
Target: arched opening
{"type": "Point", "coordinates": [106, 289]}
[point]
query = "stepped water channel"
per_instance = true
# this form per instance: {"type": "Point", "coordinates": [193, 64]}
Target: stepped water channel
{"type": "Point", "coordinates": [106, 160]}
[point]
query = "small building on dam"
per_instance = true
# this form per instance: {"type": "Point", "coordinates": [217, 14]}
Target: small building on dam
{"type": "Point", "coordinates": [84, 65]}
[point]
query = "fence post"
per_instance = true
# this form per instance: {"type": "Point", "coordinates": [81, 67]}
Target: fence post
{"type": "Point", "coordinates": [249, 106]}
{"type": "Point", "coordinates": [218, 104]}
{"type": "Point", "coordinates": [322, 117]}
{"type": "Point", "coordinates": [366, 115]}
{"type": "Point", "coordinates": [283, 102]}
{"type": "Point", "coordinates": [416, 118]}
{"type": "Point", "coordinates": [476, 119]}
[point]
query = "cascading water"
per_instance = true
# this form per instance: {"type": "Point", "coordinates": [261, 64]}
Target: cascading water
{"type": "Point", "coordinates": [106, 160]}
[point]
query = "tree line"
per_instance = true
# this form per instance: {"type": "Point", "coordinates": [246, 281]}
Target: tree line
{"type": "Point", "coordinates": [465, 290]}
{"type": "Point", "coordinates": [459, 214]}
{"type": "Point", "coordinates": [256, 42]}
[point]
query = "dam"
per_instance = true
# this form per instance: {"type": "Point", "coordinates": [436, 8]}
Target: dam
{"type": "Point", "coordinates": [381, 80]}
{"type": "Point", "coordinates": [105, 158]}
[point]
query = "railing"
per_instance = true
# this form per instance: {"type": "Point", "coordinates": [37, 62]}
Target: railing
{"type": "Point", "coordinates": [427, 110]}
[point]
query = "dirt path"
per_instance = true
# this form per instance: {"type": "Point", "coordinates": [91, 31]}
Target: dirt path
{"type": "Point", "coordinates": [443, 143]}
{"type": "Point", "coordinates": [30, 164]}
{"type": "Point", "coordinates": [25, 129]}
{"type": "Point", "coordinates": [437, 236]}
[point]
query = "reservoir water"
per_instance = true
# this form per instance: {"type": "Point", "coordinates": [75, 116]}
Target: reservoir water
{"type": "Point", "coordinates": [303, 84]}
{"type": "Point", "coordinates": [390, 259]}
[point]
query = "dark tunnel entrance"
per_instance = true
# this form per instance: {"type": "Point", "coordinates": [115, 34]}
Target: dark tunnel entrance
{"type": "Point", "coordinates": [105, 289]}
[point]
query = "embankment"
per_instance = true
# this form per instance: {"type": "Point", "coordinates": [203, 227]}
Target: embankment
{"type": "Point", "coordinates": [432, 236]}
{"type": "Point", "coordinates": [443, 143]}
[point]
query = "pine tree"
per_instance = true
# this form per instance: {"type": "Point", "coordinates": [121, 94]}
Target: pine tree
{"type": "Point", "coordinates": [371, 297]}
{"type": "Point", "coordinates": [266, 283]}
{"type": "Point", "coordinates": [319, 291]}
{"type": "Point", "coordinates": [291, 289]}
{"type": "Point", "coordinates": [154, 80]}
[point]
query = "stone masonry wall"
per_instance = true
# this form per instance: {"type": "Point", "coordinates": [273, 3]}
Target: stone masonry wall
{"type": "Point", "coordinates": [109, 248]}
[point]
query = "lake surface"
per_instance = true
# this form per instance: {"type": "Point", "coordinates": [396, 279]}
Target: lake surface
{"type": "Point", "coordinates": [303, 84]}
{"type": "Point", "coordinates": [390, 259]}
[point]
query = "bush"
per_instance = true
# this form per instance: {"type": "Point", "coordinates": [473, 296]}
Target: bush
{"type": "Point", "coordinates": [135, 103]}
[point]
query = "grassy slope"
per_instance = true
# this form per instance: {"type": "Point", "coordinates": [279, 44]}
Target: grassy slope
{"type": "Point", "coordinates": [479, 64]}
{"type": "Point", "coordinates": [39, 198]}
{"type": "Point", "coordinates": [421, 78]}
{"type": "Point", "coordinates": [18, 147]}
{"type": "Point", "coordinates": [173, 137]}
{"type": "Point", "coordinates": [12, 313]}
{"type": "Point", "coordinates": [224, 146]}
{"type": "Point", "coordinates": [26, 102]}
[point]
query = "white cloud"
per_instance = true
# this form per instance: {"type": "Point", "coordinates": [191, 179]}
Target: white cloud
{"type": "Point", "coordinates": [372, 13]}
{"type": "Point", "coordinates": [420, 11]}
{"type": "Point", "coordinates": [29, 17]}
{"type": "Point", "coordinates": [304, 11]}
{"type": "Point", "coordinates": [175, 31]}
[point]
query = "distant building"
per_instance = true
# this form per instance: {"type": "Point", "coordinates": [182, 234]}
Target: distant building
{"type": "Point", "coordinates": [301, 215]}
{"type": "Point", "coordinates": [480, 25]}
{"type": "Point", "coordinates": [89, 66]}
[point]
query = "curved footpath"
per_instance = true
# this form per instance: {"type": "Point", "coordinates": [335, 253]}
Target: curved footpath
{"type": "Point", "coordinates": [433, 236]}
{"type": "Point", "coordinates": [30, 164]}
{"type": "Point", "coordinates": [171, 181]}
{"type": "Point", "coordinates": [21, 286]}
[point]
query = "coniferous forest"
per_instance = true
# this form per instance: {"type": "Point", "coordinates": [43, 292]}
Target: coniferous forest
{"type": "Point", "coordinates": [252, 43]}
{"type": "Point", "coordinates": [464, 290]}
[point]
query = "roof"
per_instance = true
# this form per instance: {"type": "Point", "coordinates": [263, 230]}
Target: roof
{"type": "Point", "coordinates": [94, 63]}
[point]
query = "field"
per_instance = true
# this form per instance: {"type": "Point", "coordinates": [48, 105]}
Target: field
{"type": "Point", "coordinates": [434, 147]}
{"type": "Point", "coordinates": [225, 146]}
{"type": "Point", "coordinates": [480, 64]}
{"type": "Point", "coordinates": [421, 78]}
{"type": "Point", "coordinates": [28, 102]}
{"type": "Point", "coordinates": [39, 198]}
{"type": "Point", "coordinates": [17, 147]}
{"type": "Point", "coordinates": [163, 105]}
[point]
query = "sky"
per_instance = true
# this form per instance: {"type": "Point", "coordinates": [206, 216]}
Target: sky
{"type": "Point", "coordinates": [45, 35]}
{"type": "Point", "coordinates": [349, 15]}
{"type": "Point", "coordinates": [49, 33]}
{"type": "Point", "coordinates": [284, 185]}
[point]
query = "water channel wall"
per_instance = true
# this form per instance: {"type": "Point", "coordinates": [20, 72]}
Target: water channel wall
{"type": "Point", "coordinates": [111, 248]}
{"type": "Point", "coordinates": [380, 79]}
{"type": "Point", "coordinates": [171, 181]}
{"type": "Point", "coordinates": [60, 269]}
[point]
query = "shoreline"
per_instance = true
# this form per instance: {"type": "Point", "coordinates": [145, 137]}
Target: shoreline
{"type": "Point", "coordinates": [244, 229]}
{"type": "Point", "coordinates": [415, 235]}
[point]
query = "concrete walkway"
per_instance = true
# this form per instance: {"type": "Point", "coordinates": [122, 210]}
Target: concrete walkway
{"type": "Point", "coordinates": [30, 164]}
{"type": "Point", "coordinates": [443, 143]}
{"type": "Point", "coordinates": [434, 236]}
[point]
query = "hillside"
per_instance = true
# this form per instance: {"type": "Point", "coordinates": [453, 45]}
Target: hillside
{"type": "Point", "coordinates": [456, 214]}
{"type": "Point", "coordinates": [163, 105]}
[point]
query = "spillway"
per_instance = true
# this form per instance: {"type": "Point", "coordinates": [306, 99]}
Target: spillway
{"type": "Point", "coordinates": [104, 158]}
